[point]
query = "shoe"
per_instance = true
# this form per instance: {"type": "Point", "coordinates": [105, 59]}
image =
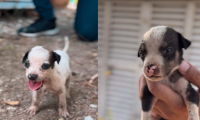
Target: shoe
{"type": "Point", "coordinates": [39, 27]}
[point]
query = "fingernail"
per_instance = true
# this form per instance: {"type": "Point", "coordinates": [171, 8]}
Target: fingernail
{"type": "Point", "coordinates": [184, 66]}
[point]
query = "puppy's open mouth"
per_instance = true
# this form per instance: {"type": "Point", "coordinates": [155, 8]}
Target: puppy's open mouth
{"type": "Point", "coordinates": [35, 85]}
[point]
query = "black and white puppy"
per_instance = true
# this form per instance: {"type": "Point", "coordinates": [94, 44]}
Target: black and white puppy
{"type": "Point", "coordinates": [47, 70]}
{"type": "Point", "coordinates": [161, 51]}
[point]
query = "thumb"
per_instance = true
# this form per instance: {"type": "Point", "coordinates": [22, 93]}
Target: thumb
{"type": "Point", "coordinates": [190, 73]}
{"type": "Point", "coordinates": [184, 67]}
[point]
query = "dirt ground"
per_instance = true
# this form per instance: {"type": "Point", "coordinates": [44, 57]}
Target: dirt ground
{"type": "Point", "coordinates": [13, 83]}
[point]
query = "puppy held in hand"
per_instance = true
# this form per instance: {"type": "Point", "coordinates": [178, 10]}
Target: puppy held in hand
{"type": "Point", "coordinates": [47, 70]}
{"type": "Point", "coordinates": [161, 51]}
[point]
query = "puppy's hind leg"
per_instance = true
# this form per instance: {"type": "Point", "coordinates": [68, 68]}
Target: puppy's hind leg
{"type": "Point", "coordinates": [191, 98]}
{"type": "Point", "coordinates": [63, 103]}
{"type": "Point", "coordinates": [67, 85]}
{"type": "Point", "coordinates": [192, 101]}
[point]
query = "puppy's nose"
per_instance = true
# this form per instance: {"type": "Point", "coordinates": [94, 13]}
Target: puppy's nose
{"type": "Point", "coordinates": [151, 69]}
{"type": "Point", "coordinates": [32, 77]}
{"type": "Point", "coordinates": [149, 66]}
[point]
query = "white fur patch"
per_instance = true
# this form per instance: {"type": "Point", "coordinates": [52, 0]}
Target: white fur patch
{"type": "Point", "coordinates": [155, 34]}
{"type": "Point", "coordinates": [146, 115]}
{"type": "Point", "coordinates": [38, 53]}
{"type": "Point", "coordinates": [193, 111]}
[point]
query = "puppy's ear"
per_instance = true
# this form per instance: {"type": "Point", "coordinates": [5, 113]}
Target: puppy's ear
{"type": "Point", "coordinates": [139, 50]}
{"type": "Point", "coordinates": [56, 57]}
{"type": "Point", "coordinates": [183, 41]}
{"type": "Point", "coordinates": [25, 57]}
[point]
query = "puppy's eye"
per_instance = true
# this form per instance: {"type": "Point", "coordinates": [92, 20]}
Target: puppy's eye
{"type": "Point", "coordinates": [168, 50]}
{"type": "Point", "coordinates": [45, 66]}
{"type": "Point", "coordinates": [27, 64]}
{"type": "Point", "coordinates": [141, 55]}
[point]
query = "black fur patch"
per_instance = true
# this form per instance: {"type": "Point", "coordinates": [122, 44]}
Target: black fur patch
{"type": "Point", "coordinates": [142, 51]}
{"type": "Point", "coordinates": [54, 57]}
{"type": "Point", "coordinates": [147, 99]}
{"type": "Point", "coordinates": [25, 57]}
{"type": "Point", "coordinates": [176, 40]}
{"type": "Point", "coordinates": [162, 119]}
{"type": "Point", "coordinates": [51, 60]}
{"type": "Point", "coordinates": [170, 38]}
{"type": "Point", "coordinates": [173, 40]}
{"type": "Point", "coordinates": [184, 43]}
{"type": "Point", "coordinates": [175, 76]}
{"type": "Point", "coordinates": [192, 95]}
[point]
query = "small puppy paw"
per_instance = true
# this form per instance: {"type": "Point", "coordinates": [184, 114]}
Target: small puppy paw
{"type": "Point", "coordinates": [32, 110]}
{"type": "Point", "coordinates": [63, 112]}
{"type": "Point", "coordinates": [62, 118]}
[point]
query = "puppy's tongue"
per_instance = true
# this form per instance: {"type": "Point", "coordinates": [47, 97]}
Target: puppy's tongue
{"type": "Point", "coordinates": [34, 85]}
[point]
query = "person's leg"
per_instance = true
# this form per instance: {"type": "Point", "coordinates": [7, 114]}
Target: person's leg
{"type": "Point", "coordinates": [45, 25]}
{"type": "Point", "coordinates": [44, 9]}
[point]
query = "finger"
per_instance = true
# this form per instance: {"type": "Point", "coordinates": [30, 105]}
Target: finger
{"type": "Point", "coordinates": [190, 73]}
{"type": "Point", "coordinates": [170, 112]}
{"type": "Point", "coordinates": [157, 111]}
{"type": "Point", "coordinates": [165, 94]}
{"type": "Point", "coordinates": [142, 83]}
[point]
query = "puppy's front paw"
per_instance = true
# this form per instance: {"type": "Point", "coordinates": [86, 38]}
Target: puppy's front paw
{"type": "Point", "coordinates": [68, 96]}
{"type": "Point", "coordinates": [63, 112]}
{"type": "Point", "coordinates": [32, 110]}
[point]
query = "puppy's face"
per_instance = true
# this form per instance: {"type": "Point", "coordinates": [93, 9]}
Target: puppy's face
{"type": "Point", "coordinates": [161, 52]}
{"type": "Point", "coordinates": [39, 63]}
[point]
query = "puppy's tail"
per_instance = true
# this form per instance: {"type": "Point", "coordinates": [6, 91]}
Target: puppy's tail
{"type": "Point", "coordinates": [66, 44]}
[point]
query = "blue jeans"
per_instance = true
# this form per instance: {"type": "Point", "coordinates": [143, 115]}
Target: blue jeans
{"type": "Point", "coordinates": [44, 9]}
